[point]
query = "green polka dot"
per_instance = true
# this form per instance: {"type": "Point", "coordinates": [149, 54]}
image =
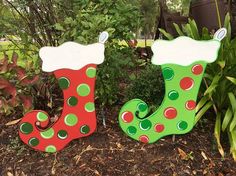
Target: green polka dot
{"type": "Point", "coordinates": [84, 129]}
{"type": "Point", "coordinates": [91, 72]}
{"type": "Point", "coordinates": [33, 142]}
{"type": "Point", "coordinates": [142, 107]}
{"type": "Point", "coordinates": [131, 130]}
{"type": "Point", "coordinates": [182, 125]}
{"type": "Point", "coordinates": [89, 107]}
{"type": "Point", "coordinates": [173, 95]}
{"type": "Point", "coordinates": [62, 134]}
{"type": "Point", "coordinates": [47, 134]}
{"type": "Point", "coordinates": [50, 149]}
{"type": "Point", "coordinates": [64, 83]}
{"type": "Point", "coordinates": [42, 116]}
{"type": "Point", "coordinates": [145, 125]}
{"type": "Point", "coordinates": [83, 90]}
{"type": "Point", "coordinates": [71, 120]}
{"type": "Point", "coordinates": [168, 73]}
{"type": "Point", "coordinates": [72, 101]}
{"type": "Point", "coordinates": [26, 128]}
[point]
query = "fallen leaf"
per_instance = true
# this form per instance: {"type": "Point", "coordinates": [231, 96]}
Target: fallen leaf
{"type": "Point", "coordinates": [204, 155]}
{"type": "Point", "coordinates": [13, 122]}
{"type": "Point", "coordinates": [182, 154]}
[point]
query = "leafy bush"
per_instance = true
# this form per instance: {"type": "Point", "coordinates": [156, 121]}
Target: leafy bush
{"type": "Point", "coordinates": [219, 88]}
{"type": "Point", "coordinates": [147, 85]}
{"type": "Point", "coordinates": [21, 87]}
{"type": "Point", "coordinates": [112, 72]}
{"type": "Point", "coordinates": [15, 85]}
{"type": "Point", "coordinates": [31, 25]}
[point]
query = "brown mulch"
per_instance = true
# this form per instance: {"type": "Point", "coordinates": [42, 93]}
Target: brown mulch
{"type": "Point", "coordinates": [109, 152]}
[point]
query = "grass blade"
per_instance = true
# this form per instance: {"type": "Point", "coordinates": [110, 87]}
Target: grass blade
{"type": "Point", "coordinates": [166, 34]}
{"type": "Point", "coordinates": [178, 30]}
{"type": "Point", "coordinates": [232, 141]}
{"type": "Point", "coordinates": [203, 111]}
{"type": "Point", "coordinates": [194, 29]}
{"type": "Point", "coordinates": [232, 101]}
{"type": "Point", "coordinates": [217, 134]}
{"type": "Point", "coordinates": [233, 123]}
{"type": "Point", "coordinates": [233, 80]}
{"type": "Point", "coordinates": [213, 85]}
{"type": "Point", "coordinates": [201, 103]}
{"type": "Point", "coordinates": [227, 119]}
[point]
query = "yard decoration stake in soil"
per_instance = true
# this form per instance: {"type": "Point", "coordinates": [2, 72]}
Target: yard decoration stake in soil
{"type": "Point", "coordinates": [74, 65]}
{"type": "Point", "coordinates": [183, 62]}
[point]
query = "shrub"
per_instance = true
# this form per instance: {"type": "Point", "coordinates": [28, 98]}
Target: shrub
{"type": "Point", "coordinates": [148, 85]}
{"type": "Point", "coordinates": [41, 23]}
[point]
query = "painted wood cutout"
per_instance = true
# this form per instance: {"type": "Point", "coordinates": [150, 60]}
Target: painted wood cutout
{"type": "Point", "coordinates": [183, 62]}
{"type": "Point", "coordinates": [74, 65]}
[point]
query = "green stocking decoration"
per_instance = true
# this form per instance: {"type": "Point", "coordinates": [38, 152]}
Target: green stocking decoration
{"type": "Point", "coordinates": [183, 62]}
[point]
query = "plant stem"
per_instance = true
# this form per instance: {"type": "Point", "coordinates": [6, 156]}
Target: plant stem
{"type": "Point", "coordinates": [218, 14]}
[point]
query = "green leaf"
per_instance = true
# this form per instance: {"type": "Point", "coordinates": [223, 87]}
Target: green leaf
{"type": "Point", "coordinates": [59, 27]}
{"type": "Point", "coordinates": [227, 119]}
{"type": "Point", "coordinates": [232, 141]}
{"type": "Point", "coordinates": [178, 30]}
{"type": "Point", "coordinates": [213, 85]}
{"type": "Point", "coordinates": [233, 123]}
{"type": "Point", "coordinates": [232, 79]}
{"type": "Point", "coordinates": [217, 134]}
{"type": "Point", "coordinates": [132, 76]}
{"type": "Point", "coordinates": [232, 101]}
{"type": "Point", "coordinates": [166, 34]}
{"type": "Point", "coordinates": [221, 64]}
{"type": "Point", "coordinates": [227, 25]}
{"type": "Point", "coordinates": [203, 111]}
{"type": "Point", "coordinates": [194, 29]}
{"type": "Point", "coordinates": [201, 103]}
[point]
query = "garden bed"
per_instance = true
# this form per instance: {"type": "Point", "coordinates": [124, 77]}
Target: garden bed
{"type": "Point", "coordinates": [109, 152]}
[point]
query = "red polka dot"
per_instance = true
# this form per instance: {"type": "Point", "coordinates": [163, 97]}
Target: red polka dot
{"type": "Point", "coordinates": [170, 113]}
{"type": "Point", "coordinates": [159, 128]}
{"type": "Point", "coordinates": [190, 105]}
{"type": "Point", "coordinates": [186, 83]}
{"type": "Point", "coordinates": [127, 117]}
{"type": "Point", "coordinates": [144, 139]}
{"type": "Point", "coordinates": [197, 69]}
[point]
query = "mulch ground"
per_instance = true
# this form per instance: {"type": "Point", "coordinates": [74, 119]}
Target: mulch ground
{"type": "Point", "coordinates": [109, 152]}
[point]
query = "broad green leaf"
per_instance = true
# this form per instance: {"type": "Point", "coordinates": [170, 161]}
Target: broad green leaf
{"type": "Point", "coordinates": [202, 111]}
{"type": "Point", "coordinates": [227, 25]}
{"type": "Point", "coordinates": [232, 101]}
{"type": "Point", "coordinates": [233, 123]}
{"type": "Point", "coordinates": [213, 85]}
{"type": "Point", "coordinates": [221, 64]}
{"type": "Point", "coordinates": [194, 29]}
{"type": "Point", "coordinates": [201, 103]}
{"type": "Point", "coordinates": [205, 34]}
{"type": "Point", "coordinates": [166, 34]}
{"type": "Point", "coordinates": [232, 79]}
{"type": "Point", "coordinates": [227, 119]}
{"type": "Point", "coordinates": [210, 89]}
{"type": "Point", "coordinates": [178, 30]}
{"type": "Point", "coordinates": [217, 134]}
{"type": "Point", "coordinates": [232, 141]}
